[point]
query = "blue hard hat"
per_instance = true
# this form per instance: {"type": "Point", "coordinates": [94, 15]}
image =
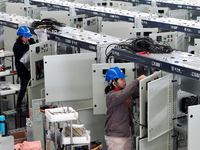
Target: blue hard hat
{"type": "Point", "coordinates": [24, 31]}
{"type": "Point", "coordinates": [114, 73]}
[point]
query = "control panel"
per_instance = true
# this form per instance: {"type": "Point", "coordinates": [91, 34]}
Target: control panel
{"type": "Point", "coordinates": [160, 11]}
{"type": "Point", "coordinates": [77, 21]}
{"type": "Point", "coordinates": [113, 4]}
{"type": "Point", "coordinates": [141, 32]}
{"type": "Point", "coordinates": [42, 49]}
{"type": "Point", "coordinates": [176, 40]}
{"type": "Point", "coordinates": [92, 24]}
{"type": "Point", "coordinates": [37, 51]}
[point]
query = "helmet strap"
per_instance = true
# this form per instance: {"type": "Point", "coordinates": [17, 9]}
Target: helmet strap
{"type": "Point", "coordinates": [109, 83]}
{"type": "Point", "coordinates": [119, 87]}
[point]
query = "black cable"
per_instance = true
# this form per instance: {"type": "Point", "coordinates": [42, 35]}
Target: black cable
{"type": "Point", "coordinates": [50, 24]}
{"type": "Point", "coordinates": [137, 122]}
{"type": "Point", "coordinates": [52, 21]}
{"type": "Point", "coordinates": [144, 44]}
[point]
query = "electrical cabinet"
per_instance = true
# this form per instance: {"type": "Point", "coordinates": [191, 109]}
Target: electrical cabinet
{"type": "Point", "coordinates": [168, 100]}
{"type": "Point", "coordinates": [160, 11]}
{"type": "Point", "coordinates": [37, 52]}
{"type": "Point", "coordinates": [180, 13]}
{"type": "Point", "coordinates": [116, 29]}
{"type": "Point", "coordinates": [156, 111]}
{"type": "Point", "coordinates": [99, 71]}
{"type": "Point", "coordinates": [176, 40]}
{"type": "Point", "coordinates": [20, 9]}
{"type": "Point", "coordinates": [61, 16]}
{"type": "Point", "coordinates": [141, 32]}
{"type": "Point", "coordinates": [76, 77]}
{"type": "Point", "coordinates": [92, 24]}
{"type": "Point", "coordinates": [113, 4]}
{"type": "Point", "coordinates": [196, 47]}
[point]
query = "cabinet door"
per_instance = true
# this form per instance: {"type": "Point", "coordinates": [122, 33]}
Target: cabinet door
{"type": "Point", "coordinates": [160, 98]}
{"type": "Point", "coordinates": [193, 127]}
{"type": "Point", "coordinates": [164, 142]}
{"type": "Point", "coordinates": [143, 102]}
{"type": "Point", "coordinates": [72, 77]}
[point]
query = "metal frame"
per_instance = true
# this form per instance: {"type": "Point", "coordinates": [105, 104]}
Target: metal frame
{"type": "Point", "coordinates": [163, 63]}
{"type": "Point", "coordinates": [143, 102]}
{"type": "Point", "coordinates": [162, 3]}
{"type": "Point", "coordinates": [125, 15]}
{"type": "Point", "coordinates": [71, 36]}
{"type": "Point", "coordinates": [160, 104]}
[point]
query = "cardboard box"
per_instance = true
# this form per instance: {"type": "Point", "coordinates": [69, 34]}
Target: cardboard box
{"type": "Point", "coordinates": [19, 137]}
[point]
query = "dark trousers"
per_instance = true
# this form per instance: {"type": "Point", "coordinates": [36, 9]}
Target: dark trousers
{"type": "Point", "coordinates": [22, 91]}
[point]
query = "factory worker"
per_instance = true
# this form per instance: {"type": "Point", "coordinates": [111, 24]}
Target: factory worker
{"type": "Point", "coordinates": [21, 46]}
{"type": "Point", "coordinates": [119, 103]}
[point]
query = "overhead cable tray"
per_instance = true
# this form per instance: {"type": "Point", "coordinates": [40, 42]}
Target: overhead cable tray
{"type": "Point", "coordinates": [176, 62]}
{"type": "Point", "coordinates": [170, 4]}
{"type": "Point", "coordinates": [153, 20]}
{"type": "Point", "coordinates": [72, 36]}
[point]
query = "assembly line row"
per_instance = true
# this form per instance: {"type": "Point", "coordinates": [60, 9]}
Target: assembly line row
{"type": "Point", "coordinates": [153, 20]}
{"type": "Point", "coordinates": [170, 4]}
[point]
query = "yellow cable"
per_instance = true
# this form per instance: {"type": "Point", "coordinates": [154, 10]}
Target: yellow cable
{"type": "Point", "coordinates": [41, 112]}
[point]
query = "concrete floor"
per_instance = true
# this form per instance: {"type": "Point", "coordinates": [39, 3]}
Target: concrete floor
{"type": "Point", "coordinates": [11, 121]}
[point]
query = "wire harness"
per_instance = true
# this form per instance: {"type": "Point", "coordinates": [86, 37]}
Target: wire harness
{"type": "Point", "coordinates": [50, 24]}
{"type": "Point", "coordinates": [141, 45]}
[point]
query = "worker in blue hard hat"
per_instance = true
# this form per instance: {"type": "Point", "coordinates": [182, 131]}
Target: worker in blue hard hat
{"type": "Point", "coordinates": [119, 103]}
{"type": "Point", "coordinates": [20, 47]}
